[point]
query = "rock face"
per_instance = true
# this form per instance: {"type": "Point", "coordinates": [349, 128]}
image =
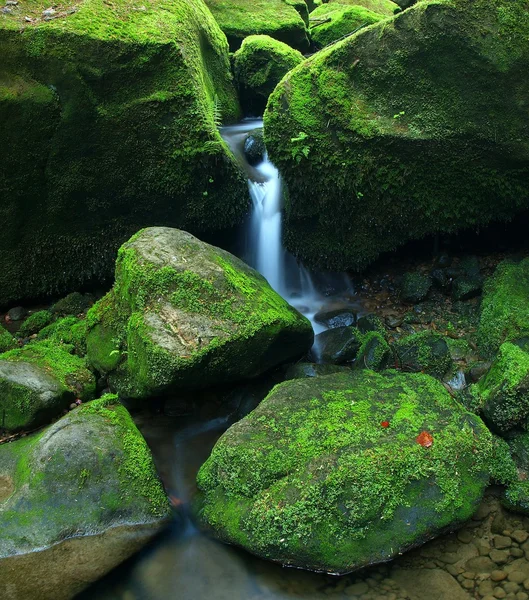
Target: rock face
{"type": "Point", "coordinates": [331, 22]}
{"type": "Point", "coordinates": [505, 306]}
{"type": "Point", "coordinates": [239, 19]}
{"type": "Point", "coordinates": [38, 381]}
{"type": "Point", "coordinates": [338, 472]}
{"type": "Point", "coordinates": [365, 133]}
{"type": "Point", "coordinates": [108, 116]}
{"type": "Point", "coordinates": [183, 313]}
{"type": "Point", "coordinates": [259, 65]}
{"type": "Point", "coordinates": [75, 500]}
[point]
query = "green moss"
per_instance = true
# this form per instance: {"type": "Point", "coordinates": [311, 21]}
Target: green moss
{"type": "Point", "coordinates": [374, 352]}
{"type": "Point", "coordinates": [108, 115]}
{"type": "Point", "coordinates": [239, 19]}
{"type": "Point", "coordinates": [312, 478]}
{"type": "Point", "coordinates": [505, 306]}
{"type": "Point", "coordinates": [7, 341]}
{"type": "Point", "coordinates": [426, 351]}
{"type": "Point", "coordinates": [331, 22]}
{"type": "Point", "coordinates": [69, 330]}
{"type": "Point", "coordinates": [259, 65]}
{"type": "Point", "coordinates": [382, 7]}
{"type": "Point", "coordinates": [415, 287]}
{"type": "Point", "coordinates": [35, 322]}
{"type": "Point", "coordinates": [72, 304]}
{"type": "Point", "coordinates": [401, 142]}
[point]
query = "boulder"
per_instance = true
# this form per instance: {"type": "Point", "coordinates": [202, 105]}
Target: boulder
{"type": "Point", "coordinates": [335, 317]}
{"type": "Point", "coordinates": [365, 133]}
{"type": "Point", "coordinates": [505, 306]}
{"type": "Point", "coordinates": [259, 65]}
{"type": "Point", "coordinates": [39, 381]}
{"type": "Point", "coordinates": [516, 494]}
{"type": "Point", "coordinates": [254, 147]}
{"type": "Point", "coordinates": [414, 287]}
{"type": "Point", "coordinates": [338, 346]}
{"type": "Point", "coordinates": [503, 393]}
{"type": "Point", "coordinates": [374, 353]}
{"type": "Point", "coordinates": [184, 314]}
{"type": "Point", "coordinates": [70, 331]}
{"type": "Point", "coordinates": [72, 304]}
{"type": "Point", "coordinates": [425, 352]}
{"type": "Point", "coordinates": [76, 499]}
{"type": "Point", "coordinates": [382, 7]}
{"type": "Point", "coordinates": [331, 22]}
{"type": "Point", "coordinates": [35, 322]}
{"type": "Point", "coordinates": [339, 472]}
{"type": "Point", "coordinates": [280, 20]}
{"type": "Point", "coordinates": [7, 341]}
{"type": "Point", "coordinates": [109, 118]}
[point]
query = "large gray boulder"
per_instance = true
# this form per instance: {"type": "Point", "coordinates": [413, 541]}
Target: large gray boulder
{"type": "Point", "coordinates": [184, 314]}
{"type": "Point", "coordinates": [76, 499]}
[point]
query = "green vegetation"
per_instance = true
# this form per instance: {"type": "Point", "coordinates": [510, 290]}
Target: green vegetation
{"type": "Point", "coordinates": [35, 322]}
{"type": "Point", "coordinates": [70, 331]}
{"type": "Point", "coordinates": [7, 341]}
{"type": "Point", "coordinates": [109, 119]}
{"type": "Point", "coordinates": [505, 306]}
{"type": "Point", "coordinates": [331, 22]}
{"type": "Point", "coordinates": [425, 352]}
{"type": "Point", "coordinates": [328, 474]}
{"type": "Point", "coordinates": [455, 158]}
{"type": "Point", "coordinates": [374, 353]}
{"type": "Point", "coordinates": [259, 65]}
{"type": "Point", "coordinates": [382, 7]}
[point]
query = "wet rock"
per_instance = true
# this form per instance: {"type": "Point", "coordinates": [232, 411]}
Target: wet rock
{"type": "Point", "coordinates": [480, 564]}
{"type": "Point", "coordinates": [72, 304]}
{"type": "Point", "coordinates": [498, 575]}
{"type": "Point", "coordinates": [478, 370]}
{"type": "Point", "coordinates": [500, 557]}
{"type": "Point", "coordinates": [303, 370]}
{"type": "Point", "coordinates": [441, 280]}
{"type": "Point", "coordinates": [341, 317]}
{"type": "Point", "coordinates": [465, 536]}
{"type": "Point", "coordinates": [73, 515]}
{"type": "Point", "coordinates": [438, 583]}
{"type": "Point", "coordinates": [277, 478]}
{"type": "Point", "coordinates": [501, 541]}
{"type": "Point", "coordinates": [393, 322]}
{"type": "Point", "coordinates": [17, 313]}
{"type": "Point", "coordinates": [338, 346]}
{"type": "Point", "coordinates": [415, 287]}
{"type": "Point", "coordinates": [425, 352]}
{"type": "Point", "coordinates": [369, 323]}
{"type": "Point", "coordinates": [467, 287]}
{"type": "Point", "coordinates": [184, 314]}
{"type": "Point", "coordinates": [520, 536]}
{"type": "Point", "coordinates": [254, 147]}
{"type": "Point", "coordinates": [374, 353]}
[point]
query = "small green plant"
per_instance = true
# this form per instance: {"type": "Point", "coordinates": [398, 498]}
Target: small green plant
{"type": "Point", "coordinates": [300, 148]}
{"type": "Point", "coordinates": [83, 476]}
{"type": "Point", "coordinates": [399, 115]}
{"type": "Point", "coordinates": [217, 112]}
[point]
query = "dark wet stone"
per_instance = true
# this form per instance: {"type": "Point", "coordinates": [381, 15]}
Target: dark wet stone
{"type": "Point", "coordinates": [17, 313]}
{"type": "Point", "coordinates": [341, 317]}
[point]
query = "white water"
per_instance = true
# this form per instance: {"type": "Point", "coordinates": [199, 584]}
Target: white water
{"type": "Point", "coordinates": [264, 248]}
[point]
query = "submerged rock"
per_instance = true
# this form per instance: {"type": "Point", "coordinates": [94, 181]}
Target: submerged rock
{"type": "Point", "coordinates": [505, 306]}
{"type": "Point", "coordinates": [365, 137]}
{"type": "Point", "coordinates": [39, 381]}
{"type": "Point", "coordinates": [280, 20]}
{"type": "Point", "coordinates": [110, 117]}
{"type": "Point", "coordinates": [339, 472]}
{"type": "Point", "coordinates": [259, 65]}
{"type": "Point", "coordinates": [254, 147]}
{"type": "Point", "coordinates": [184, 314]}
{"type": "Point", "coordinates": [76, 499]}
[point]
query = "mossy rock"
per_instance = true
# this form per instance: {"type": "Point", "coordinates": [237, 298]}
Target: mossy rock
{"type": "Point", "coordinates": [515, 471]}
{"type": "Point", "coordinates": [184, 314]}
{"type": "Point", "coordinates": [109, 119]}
{"type": "Point", "coordinates": [69, 330]}
{"type": "Point", "coordinates": [425, 352]}
{"type": "Point", "coordinates": [72, 304]}
{"type": "Point", "coordinates": [280, 20]}
{"type": "Point", "coordinates": [38, 381]}
{"type": "Point", "coordinates": [305, 370]}
{"type": "Point", "coordinates": [7, 341]}
{"type": "Point", "coordinates": [332, 22]}
{"type": "Point", "coordinates": [374, 353]}
{"type": "Point", "coordinates": [78, 498]}
{"type": "Point", "coordinates": [374, 149]}
{"type": "Point", "coordinates": [35, 322]}
{"type": "Point", "coordinates": [415, 287]}
{"type": "Point", "coordinates": [254, 147]}
{"type": "Point", "coordinates": [505, 306]}
{"type": "Point", "coordinates": [382, 7]}
{"type": "Point", "coordinates": [339, 345]}
{"type": "Point", "coordinates": [503, 393]}
{"type": "Point", "coordinates": [327, 474]}
{"type": "Point", "coordinates": [259, 65]}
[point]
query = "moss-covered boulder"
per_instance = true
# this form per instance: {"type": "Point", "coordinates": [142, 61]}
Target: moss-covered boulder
{"type": "Point", "coordinates": [426, 352]}
{"type": "Point", "coordinates": [331, 22]}
{"type": "Point", "coordinates": [516, 494]}
{"type": "Point", "coordinates": [38, 381]}
{"type": "Point", "coordinates": [338, 345]}
{"type": "Point", "coordinates": [70, 331]}
{"type": "Point", "coordinates": [503, 394]}
{"type": "Point", "coordinates": [183, 313]}
{"type": "Point", "coordinates": [35, 322]}
{"type": "Point", "coordinates": [414, 287]}
{"type": "Point", "coordinates": [374, 353]}
{"type": "Point", "coordinates": [335, 473]}
{"type": "Point", "coordinates": [259, 65]}
{"type": "Point", "coordinates": [76, 499]}
{"type": "Point", "coordinates": [108, 121]}
{"type": "Point", "coordinates": [72, 304]}
{"type": "Point", "coordinates": [505, 306]}
{"type": "Point", "coordinates": [382, 7]}
{"type": "Point", "coordinates": [239, 19]}
{"type": "Point", "coordinates": [410, 127]}
{"type": "Point", "coordinates": [7, 341]}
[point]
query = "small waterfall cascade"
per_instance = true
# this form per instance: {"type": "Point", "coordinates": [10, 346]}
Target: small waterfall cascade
{"type": "Point", "coordinates": [262, 246]}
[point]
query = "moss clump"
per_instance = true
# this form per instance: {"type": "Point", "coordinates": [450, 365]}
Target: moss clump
{"type": "Point", "coordinates": [386, 154]}
{"type": "Point", "coordinates": [40, 380]}
{"type": "Point", "coordinates": [331, 22]}
{"type": "Point", "coordinates": [327, 473]}
{"type": "Point", "coordinates": [504, 392]}
{"type": "Point", "coordinates": [505, 306]}
{"type": "Point", "coordinates": [72, 304]}
{"type": "Point", "coordinates": [35, 322]}
{"type": "Point", "coordinates": [259, 65]}
{"type": "Point", "coordinates": [7, 341]}
{"type": "Point", "coordinates": [110, 118]}
{"type": "Point", "coordinates": [381, 7]}
{"type": "Point", "coordinates": [374, 353]}
{"type": "Point", "coordinates": [426, 352]}
{"type": "Point", "coordinates": [415, 287]}
{"type": "Point", "coordinates": [70, 331]}
{"type": "Point", "coordinates": [183, 313]}
{"type": "Point", "coordinates": [239, 19]}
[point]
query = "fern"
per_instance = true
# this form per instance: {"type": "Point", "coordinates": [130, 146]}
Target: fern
{"type": "Point", "coordinates": [217, 112]}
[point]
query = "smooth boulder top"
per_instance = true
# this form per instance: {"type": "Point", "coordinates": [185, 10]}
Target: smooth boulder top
{"type": "Point", "coordinates": [89, 474]}
{"type": "Point", "coordinates": [186, 314]}
{"type": "Point", "coordinates": [338, 472]}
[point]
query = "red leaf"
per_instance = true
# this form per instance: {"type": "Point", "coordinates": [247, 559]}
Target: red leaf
{"type": "Point", "coordinates": [425, 439]}
{"type": "Point", "coordinates": [385, 424]}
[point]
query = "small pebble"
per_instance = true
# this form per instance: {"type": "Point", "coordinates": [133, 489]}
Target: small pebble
{"type": "Point", "coordinates": [522, 596]}
{"type": "Point", "coordinates": [510, 587]}
{"type": "Point", "coordinates": [519, 536]}
{"type": "Point", "coordinates": [517, 576]}
{"type": "Point", "coordinates": [467, 584]}
{"type": "Point", "coordinates": [499, 592]}
{"type": "Point", "coordinates": [500, 557]}
{"type": "Point", "coordinates": [465, 536]}
{"type": "Point", "coordinates": [498, 575]}
{"type": "Point", "coordinates": [517, 552]}
{"type": "Point", "coordinates": [502, 541]}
